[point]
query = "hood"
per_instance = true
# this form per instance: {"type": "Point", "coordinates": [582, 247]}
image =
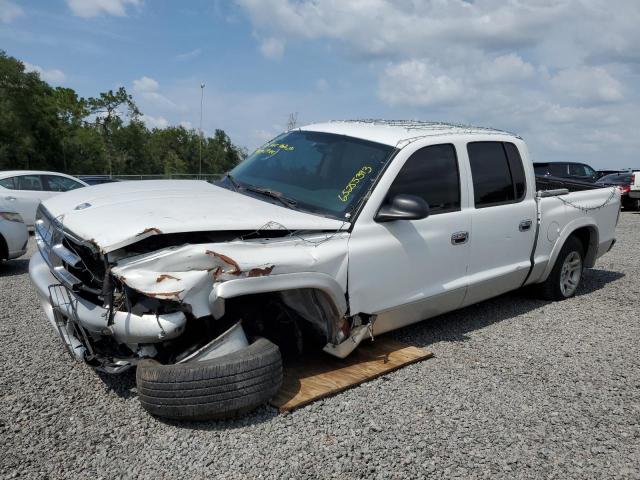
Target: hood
{"type": "Point", "coordinates": [117, 214]}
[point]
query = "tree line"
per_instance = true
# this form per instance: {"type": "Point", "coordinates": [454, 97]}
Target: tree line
{"type": "Point", "coordinates": [52, 128]}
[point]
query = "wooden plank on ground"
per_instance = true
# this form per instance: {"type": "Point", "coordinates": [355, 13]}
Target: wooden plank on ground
{"type": "Point", "coordinates": [311, 378]}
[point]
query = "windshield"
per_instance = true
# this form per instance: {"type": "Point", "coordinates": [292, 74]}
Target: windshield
{"type": "Point", "coordinates": [318, 172]}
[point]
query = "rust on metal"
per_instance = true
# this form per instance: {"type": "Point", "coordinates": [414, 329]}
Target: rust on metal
{"type": "Point", "coordinates": [260, 272]}
{"type": "Point", "coordinates": [235, 270]}
{"type": "Point", "coordinates": [217, 272]}
{"type": "Point", "coordinates": [166, 276]}
{"type": "Point", "coordinates": [164, 294]}
{"type": "Point", "coordinates": [154, 230]}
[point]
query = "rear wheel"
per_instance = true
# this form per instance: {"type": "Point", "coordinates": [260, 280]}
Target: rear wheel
{"type": "Point", "coordinates": [4, 250]}
{"type": "Point", "coordinates": [565, 278]}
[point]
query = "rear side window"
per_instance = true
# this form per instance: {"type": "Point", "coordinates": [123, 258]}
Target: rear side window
{"type": "Point", "coordinates": [431, 173]}
{"type": "Point", "coordinates": [498, 174]}
{"type": "Point", "coordinates": [55, 183]}
{"type": "Point", "coordinates": [28, 182]}
{"type": "Point", "coordinates": [8, 183]}
{"type": "Point", "coordinates": [517, 170]}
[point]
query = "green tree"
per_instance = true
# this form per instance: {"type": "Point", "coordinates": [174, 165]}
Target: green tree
{"type": "Point", "coordinates": [29, 125]}
{"type": "Point", "coordinates": [107, 111]}
{"type": "Point", "coordinates": [54, 129]}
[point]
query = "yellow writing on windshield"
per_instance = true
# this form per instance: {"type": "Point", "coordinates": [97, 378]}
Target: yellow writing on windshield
{"type": "Point", "coordinates": [273, 148]}
{"type": "Point", "coordinates": [353, 183]}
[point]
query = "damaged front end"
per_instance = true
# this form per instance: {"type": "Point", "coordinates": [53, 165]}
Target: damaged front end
{"type": "Point", "coordinates": [183, 297]}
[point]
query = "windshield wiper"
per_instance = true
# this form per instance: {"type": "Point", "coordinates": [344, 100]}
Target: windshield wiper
{"type": "Point", "coordinates": [233, 181]}
{"type": "Point", "coordinates": [286, 201]}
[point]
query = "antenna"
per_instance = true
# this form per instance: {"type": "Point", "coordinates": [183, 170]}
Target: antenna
{"type": "Point", "coordinates": [201, 103]}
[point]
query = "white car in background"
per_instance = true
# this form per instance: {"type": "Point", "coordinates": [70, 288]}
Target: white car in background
{"type": "Point", "coordinates": [22, 191]}
{"type": "Point", "coordinates": [13, 234]}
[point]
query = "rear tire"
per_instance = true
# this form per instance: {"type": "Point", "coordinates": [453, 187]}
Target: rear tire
{"type": "Point", "coordinates": [215, 389]}
{"type": "Point", "coordinates": [564, 280]}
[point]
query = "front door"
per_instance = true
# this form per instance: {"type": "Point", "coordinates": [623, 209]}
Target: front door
{"type": "Point", "coordinates": [409, 270]}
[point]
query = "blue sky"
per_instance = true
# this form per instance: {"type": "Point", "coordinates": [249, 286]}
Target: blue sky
{"type": "Point", "coordinates": [562, 73]}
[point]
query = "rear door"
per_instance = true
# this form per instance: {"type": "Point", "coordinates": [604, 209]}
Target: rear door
{"type": "Point", "coordinates": [503, 220]}
{"type": "Point", "coordinates": [409, 270]}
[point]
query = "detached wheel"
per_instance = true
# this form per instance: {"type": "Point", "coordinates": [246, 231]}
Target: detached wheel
{"type": "Point", "coordinates": [220, 388]}
{"type": "Point", "coordinates": [564, 279]}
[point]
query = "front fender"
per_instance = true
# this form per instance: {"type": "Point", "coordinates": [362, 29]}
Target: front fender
{"type": "Point", "coordinates": [276, 283]}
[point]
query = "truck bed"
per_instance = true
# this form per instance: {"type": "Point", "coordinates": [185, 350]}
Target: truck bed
{"type": "Point", "coordinates": [545, 182]}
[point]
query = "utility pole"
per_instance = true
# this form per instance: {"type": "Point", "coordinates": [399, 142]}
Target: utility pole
{"type": "Point", "coordinates": [201, 104]}
{"type": "Point", "coordinates": [293, 121]}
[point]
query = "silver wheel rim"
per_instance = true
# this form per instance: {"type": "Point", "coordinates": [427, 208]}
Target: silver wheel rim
{"type": "Point", "coordinates": [570, 274]}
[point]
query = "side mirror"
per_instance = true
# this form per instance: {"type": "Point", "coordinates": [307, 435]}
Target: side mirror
{"type": "Point", "coordinates": [403, 207]}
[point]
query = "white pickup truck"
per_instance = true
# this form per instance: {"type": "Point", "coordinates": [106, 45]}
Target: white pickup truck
{"type": "Point", "coordinates": [634, 189]}
{"type": "Point", "coordinates": [324, 237]}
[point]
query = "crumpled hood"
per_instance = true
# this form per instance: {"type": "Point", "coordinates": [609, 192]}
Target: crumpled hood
{"type": "Point", "coordinates": [122, 213]}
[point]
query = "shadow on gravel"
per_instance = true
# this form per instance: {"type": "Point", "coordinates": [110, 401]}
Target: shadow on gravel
{"type": "Point", "coordinates": [11, 268]}
{"type": "Point", "coordinates": [123, 384]}
{"type": "Point", "coordinates": [454, 326]}
{"type": "Point", "coordinates": [262, 414]}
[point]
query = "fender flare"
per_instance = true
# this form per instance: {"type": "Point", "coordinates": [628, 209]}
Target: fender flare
{"type": "Point", "coordinates": [276, 283]}
{"type": "Point", "coordinates": [567, 231]}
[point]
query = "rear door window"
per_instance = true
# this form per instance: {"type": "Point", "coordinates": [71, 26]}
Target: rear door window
{"type": "Point", "coordinates": [558, 169]}
{"type": "Point", "coordinates": [29, 182]}
{"type": "Point", "coordinates": [56, 183]}
{"type": "Point", "coordinates": [431, 173]}
{"type": "Point", "coordinates": [497, 173]}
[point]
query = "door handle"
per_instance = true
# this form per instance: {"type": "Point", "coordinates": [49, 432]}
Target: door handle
{"type": "Point", "coordinates": [459, 238]}
{"type": "Point", "coordinates": [525, 225]}
{"type": "Point", "coordinates": [9, 198]}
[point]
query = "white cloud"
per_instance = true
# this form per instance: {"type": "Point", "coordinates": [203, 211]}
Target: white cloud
{"type": "Point", "coordinates": [186, 124]}
{"type": "Point", "coordinates": [52, 75]}
{"type": "Point", "coordinates": [155, 122]}
{"type": "Point", "coordinates": [145, 85]}
{"type": "Point", "coordinates": [272, 48]}
{"type": "Point", "coordinates": [507, 67]}
{"type": "Point", "coordinates": [94, 8]}
{"type": "Point", "coordinates": [322, 84]}
{"type": "Point", "coordinates": [148, 89]}
{"type": "Point", "coordinates": [189, 55]}
{"type": "Point", "coordinates": [9, 11]}
{"type": "Point", "coordinates": [555, 71]}
{"type": "Point", "coordinates": [419, 84]}
{"type": "Point", "coordinates": [588, 84]}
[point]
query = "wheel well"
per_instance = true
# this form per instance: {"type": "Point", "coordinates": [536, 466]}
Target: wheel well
{"type": "Point", "coordinates": [588, 237]}
{"type": "Point", "coordinates": [4, 250]}
{"type": "Point", "coordinates": [288, 318]}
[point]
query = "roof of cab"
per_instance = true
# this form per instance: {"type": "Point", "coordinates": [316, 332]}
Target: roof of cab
{"type": "Point", "coordinates": [395, 132]}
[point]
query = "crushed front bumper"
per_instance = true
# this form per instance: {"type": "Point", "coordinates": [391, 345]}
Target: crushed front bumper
{"type": "Point", "coordinates": [79, 322]}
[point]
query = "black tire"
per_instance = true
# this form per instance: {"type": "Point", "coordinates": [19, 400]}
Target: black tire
{"type": "Point", "coordinates": [4, 250]}
{"type": "Point", "coordinates": [551, 289]}
{"type": "Point", "coordinates": [215, 389]}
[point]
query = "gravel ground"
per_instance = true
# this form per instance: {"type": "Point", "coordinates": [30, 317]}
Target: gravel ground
{"type": "Point", "coordinates": [519, 388]}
